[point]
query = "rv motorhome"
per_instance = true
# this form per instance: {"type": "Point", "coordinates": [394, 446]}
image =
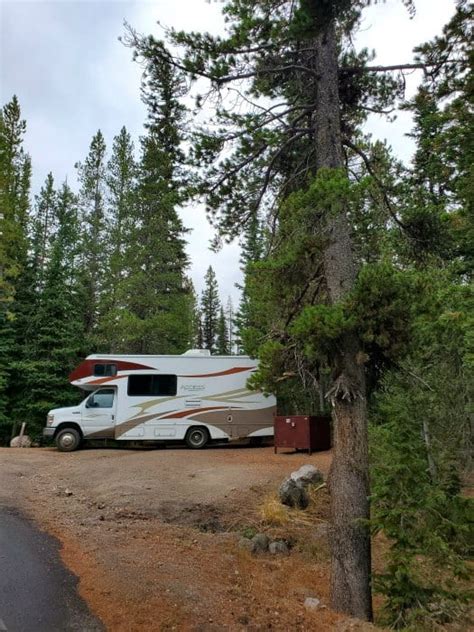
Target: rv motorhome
{"type": "Point", "coordinates": [194, 397]}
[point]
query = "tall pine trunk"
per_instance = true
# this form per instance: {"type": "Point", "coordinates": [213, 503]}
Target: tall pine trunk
{"type": "Point", "coordinates": [349, 478]}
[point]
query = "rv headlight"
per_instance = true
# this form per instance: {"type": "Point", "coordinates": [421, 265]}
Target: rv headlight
{"type": "Point", "coordinates": [49, 419]}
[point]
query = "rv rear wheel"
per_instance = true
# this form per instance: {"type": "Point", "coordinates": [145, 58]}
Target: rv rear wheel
{"type": "Point", "coordinates": [197, 438]}
{"type": "Point", "coordinates": [68, 440]}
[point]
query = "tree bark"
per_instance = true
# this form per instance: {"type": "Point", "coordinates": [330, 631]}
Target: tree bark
{"type": "Point", "coordinates": [349, 475]}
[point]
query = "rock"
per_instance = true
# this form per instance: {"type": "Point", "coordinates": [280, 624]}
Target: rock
{"type": "Point", "coordinates": [312, 603]}
{"type": "Point", "coordinates": [23, 442]}
{"type": "Point", "coordinates": [67, 492]}
{"type": "Point", "coordinates": [293, 494]}
{"type": "Point", "coordinates": [246, 545]}
{"type": "Point", "coordinates": [307, 475]}
{"type": "Point", "coordinates": [278, 547]}
{"type": "Point", "coordinates": [260, 543]}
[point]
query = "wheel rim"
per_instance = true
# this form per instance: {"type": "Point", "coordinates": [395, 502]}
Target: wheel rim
{"type": "Point", "coordinates": [67, 440]}
{"type": "Point", "coordinates": [197, 437]}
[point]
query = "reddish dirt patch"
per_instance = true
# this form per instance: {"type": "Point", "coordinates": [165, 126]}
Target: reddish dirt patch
{"type": "Point", "coordinates": [153, 536]}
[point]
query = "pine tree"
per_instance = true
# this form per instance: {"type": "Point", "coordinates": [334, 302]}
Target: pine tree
{"type": "Point", "coordinates": [200, 333]}
{"type": "Point", "coordinates": [252, 252]}
{"type": "Point", "coordinates": [258, 157]}
{"type": "Point", "coordinates": [222, 344]}
{"type": "Point", "coordinates": [92, 178]}
{"type": "Point", "coordinates": [121, 179]}
{"type": "Point", "coordinates": [210, 307]}
{"type": "Point", "coordinates": [196, 327]}
{"type": "Point", "coordinates": [15, 173]}
{"type": "Point", "coordinates": [421, 430]}
{"type": "Point", "coordinates": [56, 343]}
{"type": "Point", "coordinates": [439, 208]}
{"type": "Point", "coordinates": [230, 324]}
{"type": "Point", "coordinates": [421, 448]}
{"type": "Point", "coordinates": [156, 297]}
{"type": "Point", "coordinates": [43, 228]}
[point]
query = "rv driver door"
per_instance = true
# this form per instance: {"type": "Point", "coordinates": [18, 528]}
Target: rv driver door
{"type": "Point", "coordinates": [98, 413]}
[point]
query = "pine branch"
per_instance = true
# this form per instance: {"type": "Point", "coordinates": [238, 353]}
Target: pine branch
{"type": "Point", "coordinates": [377, 180]}
{"type": "Point", "coordinates": [414, 66]}
{"type": "Point", "coordinates": [237, 168]}
{"type": "Point", "coordinates": [274, 117]}
{"type": "Point", "coordinates": [261, 71]}
{"type": "Point", "coordinates": [269, 170]}
{"type": "Point", "coordinates": [377, 110]}
{"type": "Point", "coordinates": [297, 302]}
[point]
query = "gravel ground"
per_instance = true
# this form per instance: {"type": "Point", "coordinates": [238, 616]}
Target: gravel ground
{"type": "Point", "coordinates": [153, 535]}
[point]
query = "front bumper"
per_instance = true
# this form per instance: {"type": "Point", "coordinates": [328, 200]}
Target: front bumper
{"type": "Point", "coordinates": [48, 433]}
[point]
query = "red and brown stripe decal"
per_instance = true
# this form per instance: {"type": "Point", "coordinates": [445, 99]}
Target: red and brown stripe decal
{"type": "Point", "coordinates": [236, 369]}
{"type": "Point", "coordinates": [104, 380]}
{"type": "Point", "coordinates": [86, 368]}
{"type": "Point", "coordinates": [191, 411]}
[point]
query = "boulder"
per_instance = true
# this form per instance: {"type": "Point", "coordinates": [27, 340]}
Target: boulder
{"type": "Point", "coordinates": [260, 543]}
{"type": "Point", "coordinates": [312, 603]}
{"type": "Point", "coordinates": [279, 547]}
{"type": "Point", "coordinates": [307, 475]}
{"type": "Point", "coordinates": [293, 494]}
{"type": "Point", "coordinates": [21, 442]}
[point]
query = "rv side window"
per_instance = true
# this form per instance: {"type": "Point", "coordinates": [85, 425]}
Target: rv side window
{"type": "Point", "coordinates": [105, 370]}
{"type": "Point", "coordinates": [143, 385]}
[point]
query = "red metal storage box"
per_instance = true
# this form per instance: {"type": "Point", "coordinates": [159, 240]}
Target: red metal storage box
{"type": "Point", "coordinates": [303, 432]}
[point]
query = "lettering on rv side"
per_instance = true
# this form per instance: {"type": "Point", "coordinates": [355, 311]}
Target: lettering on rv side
{"type": "Point", "coordinates": [191, 388]}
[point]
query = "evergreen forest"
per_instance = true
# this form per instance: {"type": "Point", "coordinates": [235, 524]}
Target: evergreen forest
{"type": "Point", "coordinates": [357, 267]}
{"type": "Point", "coordinates": [99, 269]}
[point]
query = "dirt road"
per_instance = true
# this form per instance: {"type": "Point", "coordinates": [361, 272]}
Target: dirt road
{"type": "Point", "coordinates": [153, 535]}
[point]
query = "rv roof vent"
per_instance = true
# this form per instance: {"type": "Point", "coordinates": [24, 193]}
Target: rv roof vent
{"type": "Point", "coordinates": [197, 352]}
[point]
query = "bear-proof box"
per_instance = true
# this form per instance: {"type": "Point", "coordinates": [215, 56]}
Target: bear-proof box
{"type": "Point", "coordinates": [303, 432]}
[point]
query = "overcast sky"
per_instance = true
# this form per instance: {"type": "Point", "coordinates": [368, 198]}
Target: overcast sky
{"type": "Point", "coordinates": [63, 60]}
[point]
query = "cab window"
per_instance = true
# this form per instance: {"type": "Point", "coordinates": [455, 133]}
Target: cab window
{"type": "Point", "coordinates": [101, 399]}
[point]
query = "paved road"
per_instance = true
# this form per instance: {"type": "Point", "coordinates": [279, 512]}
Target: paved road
{"type": "Point", "coordinates": [37, 593]}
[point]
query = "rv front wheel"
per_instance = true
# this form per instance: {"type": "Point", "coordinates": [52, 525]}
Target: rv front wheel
{"type": "Point", "coordinates": [68, 440]}
{"type": "Point", "coordinates": [197, 438]}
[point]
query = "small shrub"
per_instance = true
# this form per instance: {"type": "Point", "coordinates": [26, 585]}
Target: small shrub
{"type": "Point", "coordinates": [249, 532]}
{"type": "Point", "coordinates": [273, 512]}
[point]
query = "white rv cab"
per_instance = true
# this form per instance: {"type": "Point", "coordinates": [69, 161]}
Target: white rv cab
{"type": "Point", "coordinates": [194, 397]}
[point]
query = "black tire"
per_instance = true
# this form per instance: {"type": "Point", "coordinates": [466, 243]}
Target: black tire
{"type": "Point", "coordinates": [197, 438]}
{"type": "Point", "coordinates": [68, 440]}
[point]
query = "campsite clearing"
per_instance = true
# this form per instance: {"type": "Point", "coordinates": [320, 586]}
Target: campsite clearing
{"type": "Point", "coordinates": [153, 535]}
